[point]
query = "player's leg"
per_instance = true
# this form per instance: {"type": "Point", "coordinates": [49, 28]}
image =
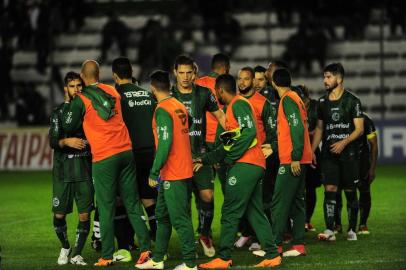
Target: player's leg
{"type": "Point", "coordinates": [338, 227]}
{"type": "Point", "coordinates": [148, 195]}
{"type": "Point", "coordinates": [256, 217]}
{"type": "Point", "coordinates": [364, 189]}
{"type": "Point", "coordinates": [96, 242]}
{"type": "Point", "coordinates": [129, 194]}
{"type": "Point", "coordinates": [311, 198]}
{"type": "Point", "coordinates": [62, 201]}
{"type": "Point", "coordinates": [349, 170]}
{"type": "Point", "coordinates": [105, 173]}
{"type": "Point", "coordinates": [330, 178]}
{"type": "Point", "coordinates": [203, 180]}
{"type": "Point", "coordinates": [238, 190]}
{"type": "Point", "coordinates": [123, 232]}
{"type": "Point", "coordinates": [84, 194]}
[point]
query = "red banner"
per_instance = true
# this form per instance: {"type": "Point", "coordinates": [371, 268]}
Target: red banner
{"type": "Point", "coordinates": [25, 149]}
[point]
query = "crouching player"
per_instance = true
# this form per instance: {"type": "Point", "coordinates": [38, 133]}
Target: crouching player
{"type": "Point", "coordinates": [71, 175]}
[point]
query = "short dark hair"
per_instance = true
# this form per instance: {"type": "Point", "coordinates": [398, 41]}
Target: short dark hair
{"type": "Point", "coordinates": [220, 60]}
{"type": "Point", "coordinates": [183, 60]}
{"type": "Point", "coordinates": [122, 67]}
{"type": "Point", "coordinates": [335, 69]}
{"type": "Point", "coordinates": [227, 82]}
{"type": "Point", "coordinates": [250, 70]}
{"type": "Point", "coordinates": [70, 76]}
{"type": "Point", "coordinates": [279, 64]}
{"type": "Point", "coordinates": [259, 69]}
{"type": "Point", "coordinates": [281, 77]}
{"type": "Point", "coordinates": [160, 80]}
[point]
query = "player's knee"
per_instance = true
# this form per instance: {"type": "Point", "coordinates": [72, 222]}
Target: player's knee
{"type": "Point", "coordinates": [59, 216]}
{"type": "Point", "coordinates": [206, 195]}
{"type": "Point", "coordinates": [148, 202]}
{"type": "Point", "coordinates": [330, 188]}
{"type": "Point", "coordinates": [83, 216]}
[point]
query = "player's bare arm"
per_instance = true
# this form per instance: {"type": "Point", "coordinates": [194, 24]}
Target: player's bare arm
{"type": "Point", "coordinates": [221, 118]}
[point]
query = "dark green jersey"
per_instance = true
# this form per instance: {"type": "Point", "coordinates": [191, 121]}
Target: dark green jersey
{"type": "Point", "coordinates": [70, 165]}
{"type": "Point", "coordinates": [272, 95]}
{"type": "Point", "coordinates": [200, 101]}
{"type": "Point", "coordinates": [338, 121]}
{"type": "Point", "coordinates": [369, 130]}
{"type": "Point", "coordinates": [138, 107]}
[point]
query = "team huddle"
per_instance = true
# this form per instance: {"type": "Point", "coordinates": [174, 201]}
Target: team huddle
{"type": "Point", "coordinates": [136, 156]}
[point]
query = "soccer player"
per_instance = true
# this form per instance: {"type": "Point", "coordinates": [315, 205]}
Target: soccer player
{"type": "Point", "coordinates": [260, 81]}
{"type": "Point", "coordinates": [294, 154]}
{"type": "Point", "coordinates": [368, 158]}
{"type": "Point", "coordinates": [172, 171]}
{"type": "Point", "coordinates": [265, 116]}
{"type": "Point", "coordinates": [71, 175]}
{"type": "Point", "coordinates": [198, 100]}
{"type": "Point", "coordinates": [339, 126]}
{"type": "Point", "coordinates": [98, 108]}
{"type": "Point", "coordinates": [243, 194]}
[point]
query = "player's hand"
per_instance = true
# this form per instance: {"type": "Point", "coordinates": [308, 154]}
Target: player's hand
{"type": "Point", "coordinates": [314, 161]}
{"type": "Point", "coordinates": [338, 147]}
{"type": "Point", "coordinates": [197, 164]}
{"type": "Point", "coordinates": [66, 96]}
{"type": "Point", "coordinates": [371, 175]}
{"type": "Point", "coordinates": [266, 150]}
{"type": "Point", "coordinates": [152, 183]}
{"type": "Point", "coordinates": [75, 143]}
{"type": "Point", "coordinates": [295, 167]}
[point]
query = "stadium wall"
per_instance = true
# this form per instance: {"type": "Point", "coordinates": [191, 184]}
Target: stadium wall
{"type": "Point", "coordinates": [28, 148]}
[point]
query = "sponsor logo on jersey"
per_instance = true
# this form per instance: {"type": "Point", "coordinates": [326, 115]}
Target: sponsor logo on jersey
{"type": "Point", "coordinates": [336, 116]}
{"type": "Point", "coordinates": [195, 133]}
{"type": "Point", "coordinates": [281, 170]}
{"type": "Point", "coordinates": [167, 185]}
{"type": "Point", "coordinates": [69, 118]}
{"type": "Point", "coordinates": [55, 202]}
{"type": "Point", "coordinates": [197, 120]}
{"type": "Point", "coordinates": [232, 180]}
{"type": "Point", "coordinates": [144, 102]}
{"type": "Point", "coordinates": [141, 93]}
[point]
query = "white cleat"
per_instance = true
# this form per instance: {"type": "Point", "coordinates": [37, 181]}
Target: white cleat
{"type": "Point", "coordinates": [242, 241]}
{"type": "Point", "coordinates": [254, 246]}
{"type": "Point", "coordinates": [351, 236]}
{"type": "Point", "coordinates": [63, 256]}
{"type": "Point", "coordinates": [150, 264]}
{"type": "Point", "coordinates": [183, 266]}
{"type": "Point", "coordinates": [327, 235]}
{"type": "Point", "coordinates": [78, 260]}
{"type": "Point", "coordinates": [259, 253]}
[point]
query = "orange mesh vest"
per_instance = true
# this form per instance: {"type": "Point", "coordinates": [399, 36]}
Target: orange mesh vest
{"type": "Point", "coordinates": [253, 155]}
{"type": "Point", "coordinates": [178, 165]}
{"type": "Point", "coordinates": [257, 101]}
{"type": "Point", "coordinates": [211, 121]}
{"type": "Point", "coordinates": [285, 146]}
{"type": "Point", "coordinates": [106, 138]}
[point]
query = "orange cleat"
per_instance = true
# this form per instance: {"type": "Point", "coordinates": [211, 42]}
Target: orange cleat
{"type": "Point", "coordinates": [270, 262]}
{"type": "Point", "coordinates": [144, 257]}
{"type": "Point", "coordinates": [104, 262]}
{"type": "Point", "coordinates": [216, 264]}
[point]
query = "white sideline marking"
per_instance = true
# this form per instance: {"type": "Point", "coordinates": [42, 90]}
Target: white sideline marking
{"type": "Point", "coordinates": [8, 223]}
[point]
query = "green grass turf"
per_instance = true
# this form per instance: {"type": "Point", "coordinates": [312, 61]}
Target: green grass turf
{"type": "Point", "coordinates": [28, 241]}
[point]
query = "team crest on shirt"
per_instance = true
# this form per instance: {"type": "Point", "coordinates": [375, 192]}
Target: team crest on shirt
{"type": "Point", "coordinates": [281, 170]}
{"type": "Point", "coordinates": [232, 180]}
{"type": "Point", "coordinates": [167, 185]}
{"type": "Point", "coordinates": [336, 116]}
{"type": "Point", "coordinates": [55, 202]}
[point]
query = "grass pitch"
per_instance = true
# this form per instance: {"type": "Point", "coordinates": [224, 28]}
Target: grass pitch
{"type": "Point", "coordinates": [28, 240]}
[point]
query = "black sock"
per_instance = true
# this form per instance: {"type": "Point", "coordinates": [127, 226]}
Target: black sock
{"type": "Point", "coordinates": [364, 206]}
{"type": "Point", "coordinates": [82, 232]}
{"type": "Point", "coordinates": [329, 209]}
{"type": "Point", "coordinates": [339, 208]}
{"type": "Point", "coordinates": [206, 217]}
{"type": "Point", "coordinates": [310, 202]}
{"type": "Point", "coordinates": [151, 220]}
{"type": "Point", "coordinates": [61, 231]}
{"type": "Point", "coordinates": [96, 225]}
{"type": "Point", "coordinates": [121, 230]}
{"type": "Point", "coordinates": [352, 209]}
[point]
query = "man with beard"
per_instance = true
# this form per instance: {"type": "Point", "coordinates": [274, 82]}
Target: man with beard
{"type": "Point", "coordinates": [241, 150]}
{"type": "Point", "coordinates": [339, 126]}
{"type": "Point", "coordinates": [198, 100]}
{"type": "Point", "coordinates": [72, 177]}
{"type": "Point", "coordinates": [265, 116]}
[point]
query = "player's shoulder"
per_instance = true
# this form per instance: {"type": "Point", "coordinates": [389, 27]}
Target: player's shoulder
{"type": "Point", "coordinates": [57, 109]}
{"type": "Point", "coordinates": [367, 117]}
{"type": "Point", "coordinates": [348, 94]}
{"type": "Point", "coordinates": [202, 89]}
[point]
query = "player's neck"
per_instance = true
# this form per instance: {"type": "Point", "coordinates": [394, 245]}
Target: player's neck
{"type": "Point", "coordinates": [162, 96]}
{"type": "Point", "coordinates": [185, 90]}
{"type": "Point", "coordinates": [124, 81]}
{"type": "Point", "coordinates": [336, 93]}
{"type": "Point", "coordinates": [249, 93]}
{"type": "Point", "coordinates": [282, 91]}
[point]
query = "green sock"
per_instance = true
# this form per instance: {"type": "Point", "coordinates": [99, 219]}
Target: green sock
{"type": "Point", "coordinates": [61, 231]}
{"type": "Point", "coordinates": [82, 232]}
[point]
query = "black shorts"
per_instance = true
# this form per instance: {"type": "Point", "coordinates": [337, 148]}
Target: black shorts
{"type": "Point", "coordinates": [143, 163]}
{"type": "Point", "coordinates": [340, 172]}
